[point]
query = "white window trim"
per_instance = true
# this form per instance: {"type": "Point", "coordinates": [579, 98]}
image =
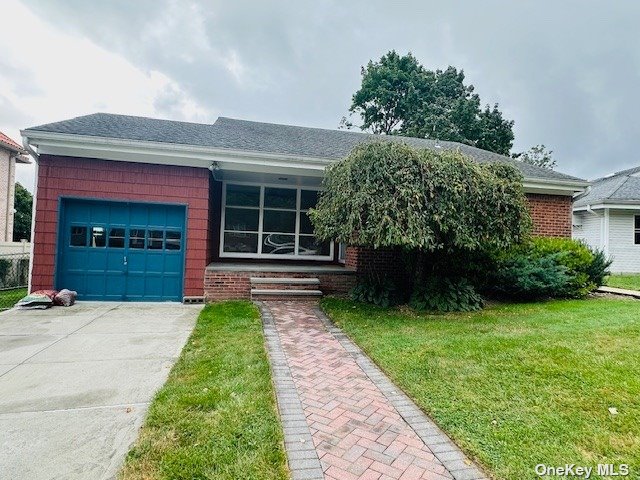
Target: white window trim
{"type": "Point", "coordinates": [635, 230]}
{"type": "Point", "coordinates": [269, 256]}
{"type": "Point", "coordinates": [342, 260]}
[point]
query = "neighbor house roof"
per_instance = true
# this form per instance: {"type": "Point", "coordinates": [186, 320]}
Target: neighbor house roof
{"type": "Point", "coordinates": [7, 143]}
{"type": "Point", "coordinates": [268, 138]}
{"type": "Point", "coordinates": [621, 187]}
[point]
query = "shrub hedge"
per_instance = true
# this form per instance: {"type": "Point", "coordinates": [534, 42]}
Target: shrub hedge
{"type": "Point", "coordinates": [549, 267]}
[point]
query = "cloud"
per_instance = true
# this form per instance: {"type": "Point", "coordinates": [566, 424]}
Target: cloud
{"type": "Point", "coordinates": [53, 73]}
{"type": "Point", "coordinates": [566, 72]}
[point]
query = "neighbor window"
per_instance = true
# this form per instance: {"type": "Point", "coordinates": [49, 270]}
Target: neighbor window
{"type": "Point", "coordinates": [636, 229]}
{"type": "Point", "coordinates": [270, 222]}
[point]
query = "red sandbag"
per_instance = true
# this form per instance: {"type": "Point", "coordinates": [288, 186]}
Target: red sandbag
{"type": "Point", "coordinates": [49, 293]}
{"type": "Point", "coordinates": [65, 298]}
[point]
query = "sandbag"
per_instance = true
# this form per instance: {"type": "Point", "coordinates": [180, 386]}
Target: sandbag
{"type": "Point", "coordinates": [49, 293]}
{"type": "Point", "coordinates": [35, 301]}
{"type": "Point", "coordinates": [65, 298]}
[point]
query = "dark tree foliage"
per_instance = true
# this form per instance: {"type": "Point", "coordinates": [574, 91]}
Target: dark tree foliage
{"type": "Point", "coordinates": [399, 96]}
{"type": "Point", "coordinates": [22, 218]}
{"type": "Point", "coordinates": [387, 194]}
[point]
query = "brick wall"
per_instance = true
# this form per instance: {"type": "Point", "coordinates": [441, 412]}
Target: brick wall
{"type": "Point", "coordinates": [551, 214]}
{"type": "Point", "coordinates": [111, 180]}
{"type": "Point", "coordinates": [227, 285]}
{"type": "Point", "coordinates": [366, 261]}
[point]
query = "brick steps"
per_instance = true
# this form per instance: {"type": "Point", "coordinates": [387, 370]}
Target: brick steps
{"type": "Point", "coordinates": [283, 288]}
{"type": "Point", "coordinates": [280, 280]}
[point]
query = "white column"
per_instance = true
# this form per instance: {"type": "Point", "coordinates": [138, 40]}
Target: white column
{"type": "Point", "coordinates": [605, 232]}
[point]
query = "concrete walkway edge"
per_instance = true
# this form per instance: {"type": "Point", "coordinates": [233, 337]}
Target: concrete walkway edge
{"type": "Point", "coordinates": [302, 456]}
{"type": "Point", "coordinates": [619, 291]}
{"type": "Point", "coordinates": [444, 449]}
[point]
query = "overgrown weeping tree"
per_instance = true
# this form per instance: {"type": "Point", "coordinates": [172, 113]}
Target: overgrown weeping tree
{"type": "Point", "coordinates": [436, 204]}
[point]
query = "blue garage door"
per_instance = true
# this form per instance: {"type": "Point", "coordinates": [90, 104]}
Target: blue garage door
{"type": "Point", "coordinates": [121, 251]}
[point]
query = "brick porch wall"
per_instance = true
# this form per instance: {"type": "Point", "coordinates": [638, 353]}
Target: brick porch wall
{"type": "Point", "coordinates": [123, 181]}
{"type": "Point", "coordinates": [228, 285]}
{"type": "Point", "coordinates": [366, 261]}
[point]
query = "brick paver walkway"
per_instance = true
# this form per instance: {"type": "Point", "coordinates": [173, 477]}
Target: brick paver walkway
{"type": "Point", "coordinates": [360, 426]}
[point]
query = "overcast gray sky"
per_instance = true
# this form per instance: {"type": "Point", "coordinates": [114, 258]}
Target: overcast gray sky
{"type": "Point", "coordinates": [567, 72]}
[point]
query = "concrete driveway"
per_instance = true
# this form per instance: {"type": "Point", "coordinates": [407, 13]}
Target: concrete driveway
{"type": "Point", "coordinates": [75, 384]}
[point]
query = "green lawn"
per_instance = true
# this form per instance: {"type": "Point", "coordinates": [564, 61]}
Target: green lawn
{"type": "Point", "coordinates": [517, 385]}
{"type": "Point", "coordinates": [216, 415]}
{"type": "Point", "coordinates": [629, 281]}
{"type": "Point", "coordinates": [8, 298]}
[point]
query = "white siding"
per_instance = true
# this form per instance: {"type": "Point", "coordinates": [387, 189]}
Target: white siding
{"type": "Point", "coordinates": [625, 254]}
{"type": "Point", "coordinates": [586, 227]}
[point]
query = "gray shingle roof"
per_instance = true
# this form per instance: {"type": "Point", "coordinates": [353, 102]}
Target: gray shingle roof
{"type": "Point", "coordinates": [621, 187]}
{"type": "Point", "coordinates": [227, 133]}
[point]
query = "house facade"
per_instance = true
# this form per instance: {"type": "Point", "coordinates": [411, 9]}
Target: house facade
{"type": "Point", "coordinates": [10, 154]}
{"type": "Point", "coordinates": [132, 208]}
{"type": "Point", "coordinates": [607, 217]}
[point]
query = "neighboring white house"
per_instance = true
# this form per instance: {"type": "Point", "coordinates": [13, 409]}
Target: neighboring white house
{"type": "Point", "coordinates": [10, 154]}
{"type": "Point", "coordinates": [607, 217]}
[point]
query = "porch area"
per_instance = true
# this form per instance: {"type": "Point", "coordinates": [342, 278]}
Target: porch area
{"type": "Point", "coordinates": [275, 281]}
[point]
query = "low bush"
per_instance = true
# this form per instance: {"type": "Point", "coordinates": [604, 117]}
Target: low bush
{"type": "Point", "coordinates": [445, 295]}
{"type": "Point", "coordinates": [381, 292]}
{"type": "Point", "coordinates": [524, 277]}
{"type": "Point", "coordinates": [549, 267]}
{"type": "Point", "coordinates": [575, 256]}
{"type": "Point", "coordinates": [599, 268]}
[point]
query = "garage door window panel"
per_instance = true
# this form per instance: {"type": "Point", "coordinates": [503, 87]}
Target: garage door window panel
{"type": "Point", "coordinates": [98, 237]}
{"type": "Point", "coordinates": [173, 240]}
{"type": "Point", "coordinates": [156, 239]}
{"type": "Point", "coordinates": [137, 238]}
{"type": "Point", "coordinates": [78, 236]}
{"type": "Point", "coordinates": [116, 237]}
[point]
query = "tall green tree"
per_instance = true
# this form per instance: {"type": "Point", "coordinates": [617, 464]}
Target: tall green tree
{"type": "Point", "coordinates": [399, 96]}
{"type": "Point", "coordinates": [22, 218]}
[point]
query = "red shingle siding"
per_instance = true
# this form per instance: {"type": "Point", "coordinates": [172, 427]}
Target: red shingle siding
{"type": "Point", "coordinates": [228, 285]}
{"type": "Point", "coordinates": [551, 214]}
{"type": "Point", "coordinates": [111, 180]}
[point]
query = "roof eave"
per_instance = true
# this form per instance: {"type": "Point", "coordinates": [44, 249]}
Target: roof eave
{"type": "Point", "coordinates": [12, 148]}
{"type": "Point", "coordinates": [608, 203]}
{"type": "Point", "coordinates": [141, 151]}
{"type": "Point", "coordinates": [554, 186]}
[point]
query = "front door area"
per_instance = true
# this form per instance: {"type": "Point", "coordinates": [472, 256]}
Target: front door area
{"type": "Point", "coordinates": [121, 251]}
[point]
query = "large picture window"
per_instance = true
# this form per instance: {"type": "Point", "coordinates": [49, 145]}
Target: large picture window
{"type": "Point", "coordinates": [271, 222]}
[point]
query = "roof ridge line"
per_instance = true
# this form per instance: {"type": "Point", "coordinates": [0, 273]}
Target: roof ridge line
{"type": "Point", "coordinates": [626, 178]}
